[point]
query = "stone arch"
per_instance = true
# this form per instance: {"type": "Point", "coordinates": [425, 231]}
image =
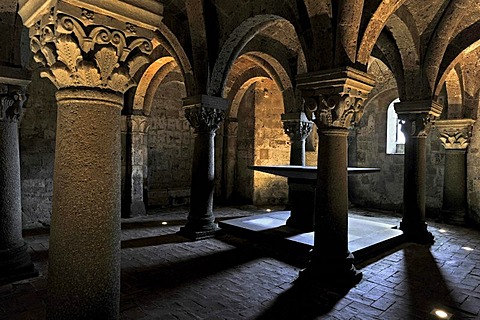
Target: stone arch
{"type": "Point", "coordinates": [375, 26]}
{"type": "Point", "coordinates": [454, 89]}
{"type": "Point", "coordinates": [277, 73]}
{"type": "Point", "coordinates": [170, 43]}
{"type": "Point", "coordinates": [465, 42]}
{"type": "Point", "coordinates": [441, 38]}
{"type": "Point", "coordinates": [407, 45]}
{"type": "Point", "coordinates": [151, 79]}
{"type": "Point", "coordinates": [234, 45]}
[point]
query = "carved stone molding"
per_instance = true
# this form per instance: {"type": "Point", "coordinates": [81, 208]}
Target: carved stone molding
{"type": "Point", "coordinates": [84, 47]}
{"type": "Point", "coordinates": [417, 116]}
{"type": "Point", "coordinates": [335, 98]}
{"type": "Point", "coordinates": [296, 126]}
{"type": "Point", "coordinates": [11, 104]}
{"type": "Point", "coordinates": [205, 113]}
{"type": "Point", "coordinates": [455, 134]}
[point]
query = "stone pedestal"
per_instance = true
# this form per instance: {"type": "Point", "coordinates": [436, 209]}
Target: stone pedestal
{"type": "Point", "coordinates": [334, 100]}
{"type": "Point", "coordinates": [416, 117]}
{"type": "Point", "coordinates": [135, 171]}
{"type": "Point", "coordinates": [455, 136]}
{"type": "Point", "coordinates": [204, 114]}
{"type": "Point", "coordinates": [15, 263]}
{"type": "Point", "coordinates": [91, 51]}
{"type": "Point", "coordinates": [300, 195]}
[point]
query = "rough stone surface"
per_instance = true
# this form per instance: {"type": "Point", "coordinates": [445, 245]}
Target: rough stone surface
{"type": "Point", "coordinates": [170, 147]}
{"type": "Point", "coordinates": [37, 151]}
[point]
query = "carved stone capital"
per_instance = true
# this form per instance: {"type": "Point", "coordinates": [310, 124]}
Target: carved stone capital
{"type": "Point", "coordinates": [85, 47]}
{"type": "Point", "coordinates": [296, 126]}
{"type": "Point", "coordinates": [417, 116]}
{"type": "Point", "coordinates": [335, 98]}
{"type": "Point", "coordinates": [205, 113]}
{"type": "Point", "coordinates": [11, 103]}
{"type": "Point", "coordinates": [135, 124]}
{"type": "Point", "coordinates": [455, 134]}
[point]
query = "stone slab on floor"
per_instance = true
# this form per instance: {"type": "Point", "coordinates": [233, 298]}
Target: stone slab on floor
{"type": "Point", "coordinates": [365, 236]}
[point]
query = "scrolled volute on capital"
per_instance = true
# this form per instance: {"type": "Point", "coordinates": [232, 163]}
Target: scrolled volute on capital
{"type": "Point", "coordinates": [93, 56]}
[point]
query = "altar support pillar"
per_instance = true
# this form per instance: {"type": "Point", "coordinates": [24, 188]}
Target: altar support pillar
{"type": "Point", "coordinates": [416, 117]}
{"type": "Point", "coordinates": [15, 262]}
{"type": "Point", "coordinates": [301, 196]}
{"type": "Point", "coordinates": [204, 113]}
{"type": "Point", "coordinates": [91, 55]}
{"type": "Point", "coordinates": [136, 153]}
{"type": "Point", "coordinates": [455, 136]}
{"type": "Point", "coordinates": [335, 100]}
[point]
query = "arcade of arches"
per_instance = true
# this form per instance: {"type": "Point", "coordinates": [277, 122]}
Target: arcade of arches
{"type": "Point", "coordinates": [109, 108]}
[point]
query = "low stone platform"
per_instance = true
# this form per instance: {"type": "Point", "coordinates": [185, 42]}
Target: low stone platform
{"type": "Point", "coordinates": [365, 237]}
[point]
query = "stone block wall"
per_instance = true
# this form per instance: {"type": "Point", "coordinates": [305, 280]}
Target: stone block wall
{"type": "Point", "coordinates": [272, 145]}
{"type": "Point", "coordinates": [473, 175]}
{"type": "Point", "coordinates": [170, 147]}
{"type": "Point", "coordinates": [37, 151]}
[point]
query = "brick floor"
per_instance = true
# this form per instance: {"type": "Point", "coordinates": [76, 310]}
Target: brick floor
{"type": "Point", "coordinates": [165, 276]}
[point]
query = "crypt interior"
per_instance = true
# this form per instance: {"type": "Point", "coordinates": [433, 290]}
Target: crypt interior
{"type": "Point", "coordinates": [215, 159]}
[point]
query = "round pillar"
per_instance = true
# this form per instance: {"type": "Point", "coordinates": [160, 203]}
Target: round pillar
{"type": "Point", "coordinates": [84, 255]}
{"type": "Point", "coordinates": [204, 114]}
{"type": "Point", "coordinates": [454, 187]}
{"type": "Point", "coordinates": [331, 260]}
{"type": "Point", "coordinates": [15, 262]}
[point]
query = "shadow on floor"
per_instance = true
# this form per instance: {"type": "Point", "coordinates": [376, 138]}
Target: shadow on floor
{"type": "Point", "coordinates": [427, 287]}
{"type": "Point", "coordinates": [303, 302]}
{"type": "Point", "coordinates": [153, 241]}
{"type": "Point", "coordinates": [171, 275]}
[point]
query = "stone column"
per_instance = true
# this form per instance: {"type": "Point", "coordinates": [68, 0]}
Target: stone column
{"type": "Point", "coordinates": [204, 113]}
{"type": "Point", "coordinates": [15, 263]}
{"type": "Point", "coordinates": [91, 55]}
{"type": "Point", "coordinates": [300, 195]}
{"type": "Point", "coordinates": [334, 100]}
{"type": "Point", "coordinates": [416, 117]}
{"type": "Point", "coordinates": [455, 136]}
{"type": "Point", "coordinates": [136, 153]}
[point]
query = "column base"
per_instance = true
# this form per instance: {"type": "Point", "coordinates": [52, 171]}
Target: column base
{"type": "Point", "coordinates": [417, 233]}
{"type": "Point", "coordinates": [15, 265]}
{"type": "Point", "coordinates": [329, 274]}
{"type": "Point", "coordinates": [134, 209]}
{"type": "Point", "coordinates": [454, 217]}
{"type": "Point", "coordinates": [198, 233]}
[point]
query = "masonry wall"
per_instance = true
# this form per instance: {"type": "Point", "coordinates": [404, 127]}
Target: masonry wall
{"type": "Point", "coordinates": [37, 151]}
{"type": "Point", "coordinates": [473, 175]}
{"type": "Point", "coordinates": [170, 147]}
{"type": "Point", "coordinates": [272, 145]}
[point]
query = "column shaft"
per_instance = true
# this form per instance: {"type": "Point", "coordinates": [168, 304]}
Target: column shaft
{"type": "Point", "coordinates": [331, 261]}
{"type": "Point", "coordinates": [414, 181]}
{"type": "Point", "coordinates": [201, 199]}
{"type": "Point", "coordinates": [15, 263]}
{"type": "Point", "coordinates": [454, 186]}
{"type": "Point", "coordinates": [135, 167]}
{"type": "Point", "coordinates": [84, 255]}
{"type": "Point", "coordinates": [204, 114]}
